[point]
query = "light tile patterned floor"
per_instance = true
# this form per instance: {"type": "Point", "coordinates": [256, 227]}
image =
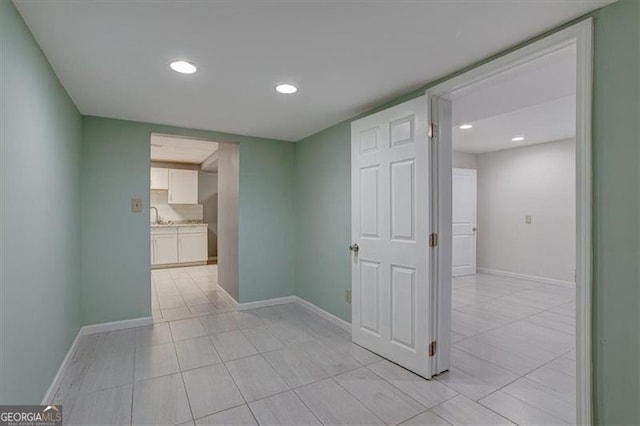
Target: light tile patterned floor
{"type": "Point", "coordinates": [186, 292]}
{"type": "Point", "coordinates": [512, 362]}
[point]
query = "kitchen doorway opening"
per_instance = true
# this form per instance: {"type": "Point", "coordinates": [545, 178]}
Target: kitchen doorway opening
{"type": "Point", "coordinates": [193, 220]}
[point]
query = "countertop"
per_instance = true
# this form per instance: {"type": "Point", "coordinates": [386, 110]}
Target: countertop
{"type": "Point", "coordinates": [181, 224]}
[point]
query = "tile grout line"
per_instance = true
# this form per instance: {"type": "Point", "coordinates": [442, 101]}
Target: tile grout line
{"type": "Point", "coordinates": [355, 397]}
{"type": "Point", "coordinates": [520, 399]}
{"type": "Point", "coordinates": [404, 393]}
{"type": "Point", "coordinates": [184, 383]}
{"type": "Point", "coordinates": [482, 405]}
{"type": "Point", "coordinates": [306, 405]}
{"type": "Point", "coordinates": [133, 372]}
{"type": "Point", "coordinates": [428, 410]}
{"type": "Point", "coordinates": [511, 323]}
{"type": "Point", "coordinates": [180, 293]}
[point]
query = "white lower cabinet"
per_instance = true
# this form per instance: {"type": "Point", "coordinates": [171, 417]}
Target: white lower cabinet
{"type": "Point", "coordinates": [180, 244]}
{"type": "Point", "coordinates": [165, 246]}
{"type": "Point", "coordinates": [192, 247]}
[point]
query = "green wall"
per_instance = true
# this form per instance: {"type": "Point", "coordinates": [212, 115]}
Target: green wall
{"type": "Point", "coordinates": [267, 219]}
{"type": "Point", "coordinates": [115, 241]}
{"type": "Point", "coordinates": [323, 204]}
{"type": "Point", "coordinates": [39, 196]}
{"type": "Point", "coordinates": [616, 214]}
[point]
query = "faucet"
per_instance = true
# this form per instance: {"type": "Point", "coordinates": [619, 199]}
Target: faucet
{"type": "Point", "coordinates": [157, 214]}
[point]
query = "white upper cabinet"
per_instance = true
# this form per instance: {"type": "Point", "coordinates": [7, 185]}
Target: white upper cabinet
{"type": "Point", "coordinates": [183, 186]}
{"type": "Point", "coordinates": [159, 178]}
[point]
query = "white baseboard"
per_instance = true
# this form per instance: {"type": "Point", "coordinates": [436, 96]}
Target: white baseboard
{"type": "Point", "coordinates": [51, 392]}
{"type": "Point", "coordinates": [324, 314]}
{"type": "Point", "coordinates": [116, 325]}
{"type": "Point", "coordinates": [526, 277]}
{"type": "Point", "coordinates": [263, 303]}
{"type": "Point", "coordinates": [224, 293]}
{"type": "Point", "coordinates": [84, 331]}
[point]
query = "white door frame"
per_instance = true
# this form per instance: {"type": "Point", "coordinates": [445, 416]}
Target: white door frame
{"type": "Point", "coordinates": [579, 35]}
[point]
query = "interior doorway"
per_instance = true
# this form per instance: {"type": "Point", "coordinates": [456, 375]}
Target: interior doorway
{"type": "Point", "coordinates": [193, 226]}
{"type": "Point", "coordinates": [464, 186]}
{"type": "Point", "coordinates": [516, 333]}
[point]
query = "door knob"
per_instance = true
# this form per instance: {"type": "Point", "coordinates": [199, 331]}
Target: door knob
{"type": "Point", "coordinates": [354, 248]}
{"type": "Point", "coordinates": [474, 229]}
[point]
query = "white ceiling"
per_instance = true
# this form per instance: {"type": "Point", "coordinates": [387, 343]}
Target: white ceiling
{"type": "Point", "coordinates": [346, 57]}
{"type": "Point", "coordinates": [181, 150]}
{"type": "Point", "coordinates": [549, 121]}
{"type": "Point", "coordinates": [536, 100]}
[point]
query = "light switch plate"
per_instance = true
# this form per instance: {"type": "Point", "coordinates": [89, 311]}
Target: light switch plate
{"type": "Point", "coordinates": [347, 296]}
{"type": "Point", "coordinates": [136, 205]}
{"type": "Point", "coordinates": [527, 220]}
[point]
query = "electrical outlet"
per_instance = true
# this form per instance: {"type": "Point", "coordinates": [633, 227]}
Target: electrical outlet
{"type": "Point", "coordinates": [347, 296]}
{"type": "Point", "coordinates": [527, 220]}
{"type": "Point", "coordinates": [136, 205]}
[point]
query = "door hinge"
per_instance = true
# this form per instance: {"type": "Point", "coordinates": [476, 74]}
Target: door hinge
{"type": "Point", "coordinates": [432, 130]}
{"type": "Point", "coordinates": [433, 346]}
{"type": "Point", "coordinates": [433, 240]}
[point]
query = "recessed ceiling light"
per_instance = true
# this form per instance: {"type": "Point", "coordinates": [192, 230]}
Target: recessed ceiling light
{"type": "Point", "coordinates": [518, 139]}
{"type": "Point", "coordinates": [466, 126]}
{"type": "Point", "coordinates": [183, 67]}
{"type": "Point", "coordinates": [286, 89]}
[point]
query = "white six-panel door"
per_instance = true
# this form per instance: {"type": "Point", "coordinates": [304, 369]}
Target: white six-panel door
{"type": "Point", "coordinates": [464, 195]}
{"type": "Point", "coordinates": [390, 228]}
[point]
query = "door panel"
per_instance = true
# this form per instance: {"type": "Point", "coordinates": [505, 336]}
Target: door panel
{"type": "Point", "coordinates": [403, 200]}
{"type": "Point", "coordinates": [369, 189]}
{"type": "Point", "coordinates": [391, 303]}
{"type": "Point", "coordinates": [370, 300]}
{"type": "Point", "coordinates": [402, 306]}
{"type": "Point", "coordinates": [464, 192]}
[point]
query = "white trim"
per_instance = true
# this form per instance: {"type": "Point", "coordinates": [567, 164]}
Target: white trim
{"type": "Point", "coordinates": [579, 34]}
{"type": "Point", "coordinates": [346, 326]}
{"type": "Point", "coordinates": [116, 325]}
{"type": "Point", "coordinates": [510, 61]}
{"type": "Point", "coordinates": [441, 159]}
{"type": "Point", "coordinates": [178, 265]}
{"type": "Point", "coordinates": [85, 331]}
{"type": "Point", "coordinates": [544, 280]}
{"type": "Point", "coordinates": [584, 257]}
{"type": "Point", "coordinates": [57, 379]}
{"type": "Point", "coordinates": [268, 302]}
{"type": "Point", "coordinates": [224, 293]}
